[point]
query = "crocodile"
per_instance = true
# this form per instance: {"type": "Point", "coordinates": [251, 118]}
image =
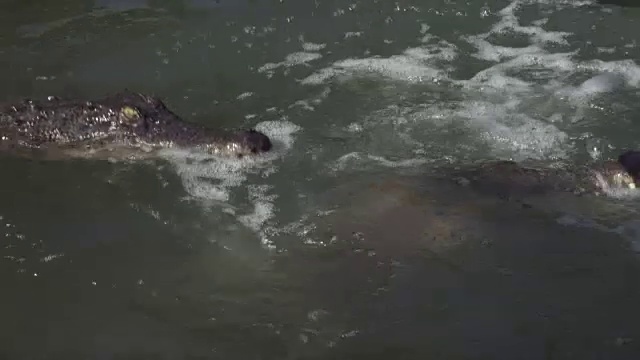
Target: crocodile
{"type": "Point", "coordinates": [508, 178]}
{"type": "Point", "coordinates": [398, 214]}
{"type": "Point", "coordinates": [123, 125]}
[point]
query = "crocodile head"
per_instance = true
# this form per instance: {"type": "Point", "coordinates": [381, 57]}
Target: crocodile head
{"type": "Point", "coordinates": [146, 122]}
{"type": "Point", "coordinates": [613, 175]}
{"type": "Point", "coordinates": [630, 161]}
{"type": "Point", "coordinates": [240, 144]}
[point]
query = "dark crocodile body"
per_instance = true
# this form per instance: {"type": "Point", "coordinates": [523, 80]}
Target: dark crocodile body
{"type": "Point", "coordinates": [510, 178]}
{"type": "Point", "coordinates": [119, 124]}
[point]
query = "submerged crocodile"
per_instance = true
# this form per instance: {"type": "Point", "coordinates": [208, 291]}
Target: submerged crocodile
{"type": "Point", "coordinates": [400, 215]}
{"type": "Point", "coordinates": [123, 125]}
{"type": "Point", "coordinates": [509, 178]}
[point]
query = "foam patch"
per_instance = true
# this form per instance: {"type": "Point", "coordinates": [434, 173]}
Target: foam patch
{"type": "Point", "coordinates": [210, 180]}
{"type": "Point", "coordinates": [519, 105]}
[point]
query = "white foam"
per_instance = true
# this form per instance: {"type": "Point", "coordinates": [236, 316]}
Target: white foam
{"type": "Point", "coordinates": [509, 23]}
{"type": "Point", "coordinates": [209, 180]}
{"type": "Point", "coordinates": [606, 50]}
{"type": "Point", "coordinates": [352, 34]}
{"type": "Point", "coordinates": [51, 257]}
{"type": "Point", "coordinates": [593, 87]}
{"type": "Point", "coordinates": [263, 210]}
{"type": "Point", "coordinates": [499, 123]}
{"type": "Point", "coordinates": [622, 193]}
{"type": "Point", "coordinates": [600, 84]}
{"type": "Point", "coordinates": [515, 105]}
{"type": "Point", "coordinates": [308, 46]}
{"type": "Point", "coordinates": [244, 95]}
{"type": "Point", "coordinates": [414, 65]}
{"type": "Point", "coordinates": [281, 133]}
{"type": "Point", "coordinates": [356, 160]}
{"type": "Point", "coordinates": [627, 69]}
{"type": "Point", "coordinates": [514, 134]}
{"type": "Point", "coordinates": [490, 52]}
{"type": "Point", "coordinates": [297, 58]}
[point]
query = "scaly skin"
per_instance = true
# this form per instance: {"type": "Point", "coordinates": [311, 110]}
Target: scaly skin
{"type": "Point", "coordinates": [123, 124]}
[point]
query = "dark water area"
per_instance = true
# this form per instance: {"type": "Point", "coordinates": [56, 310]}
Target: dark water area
{"type": "Point", "coordinates": [345, 243]}
{"type": "Point", "coordinates": [622, 3]}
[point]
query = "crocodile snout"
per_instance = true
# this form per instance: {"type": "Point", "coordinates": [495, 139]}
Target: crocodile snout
{"type": "Point", "coordinates": [254, 141]}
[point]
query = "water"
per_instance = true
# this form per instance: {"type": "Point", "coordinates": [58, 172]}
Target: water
{"type": "Point", "coordinates": [337, 245]}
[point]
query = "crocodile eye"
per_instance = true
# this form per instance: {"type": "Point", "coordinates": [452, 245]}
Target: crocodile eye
{"type": "Point", "coordinates": [129, 114]}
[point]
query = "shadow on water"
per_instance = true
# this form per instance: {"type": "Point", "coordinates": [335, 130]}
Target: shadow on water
{"type": "Point", "coordinates": [413, 272]}
{"type": "Point", "coordinates": [415, 268]}
{"type": "Point", "coordinates": [483, 278]}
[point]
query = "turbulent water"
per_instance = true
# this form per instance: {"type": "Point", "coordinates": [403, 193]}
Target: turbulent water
{"type": "Point", "coordinates": [338, 244]}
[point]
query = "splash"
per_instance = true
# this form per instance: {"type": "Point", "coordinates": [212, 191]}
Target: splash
{"type": "Point", "coordinates": [211, 181]}
{"type": "Point", "coordinates": [515, 101]}
{"type": "Point", "coordinates": [520, 105]}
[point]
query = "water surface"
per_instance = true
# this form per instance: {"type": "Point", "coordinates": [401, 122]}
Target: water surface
{"type": "Point", "coordinates": [338, 245]}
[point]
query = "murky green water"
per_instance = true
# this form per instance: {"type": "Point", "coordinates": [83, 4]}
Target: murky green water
{"type": "Point", "coordinates": [340, 245]}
